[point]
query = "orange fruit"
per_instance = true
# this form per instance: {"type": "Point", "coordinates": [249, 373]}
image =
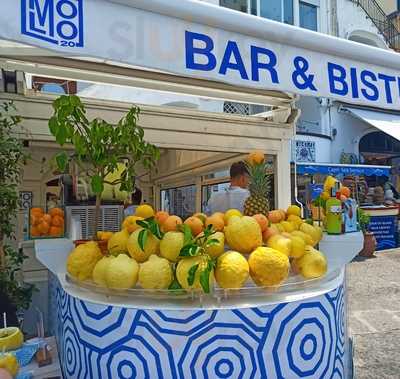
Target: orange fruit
{"type": "Point", "coordinates": [283, 214]}
{"type": "Point", "coordinates": [36, 211]}
{"type": "Point", "coordinates": [268, 233]}
{"type": "Point", "coordinates": [216, 221]}
{"type": "Point", "coordinates": [171, 224]}
{"type": "Point", "coordinates": [46, 218]}
{"type": "Point", "coordinates": [195, 225]}
{"type": "Point", "coordinates": [219, 214]}
{"type": "Point", "coordinates": [35, 220]}
{"type": "Point", "coordinates": [35, 232]}
{"type": "Point", "coordinates": [262, 221]}
{"type": "Point", "coordinates": [55, 231]}
{"type": "Point", "coordinates": [161, 216]}
{"type": "Point", "coordinates": [43, 227]}
{"type": "Point", "coordinates": [345, 191]}
{"type": "Point", "coordinates": [56, 212]}
{"type": "Point", "coordinates": [57, 221]}
{"type": "Point", "coordinates": [275, 216]}
{"type": "Point", "coordinates": [201, 216]}
{"type": "Point", "coordinates": [255, 157]}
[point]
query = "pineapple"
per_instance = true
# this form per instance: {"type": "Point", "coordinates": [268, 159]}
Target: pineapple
{"type": "Point", "coordinates": [259, 186]}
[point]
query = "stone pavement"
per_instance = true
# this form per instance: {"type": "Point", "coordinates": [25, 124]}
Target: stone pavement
{"type": "Point", "coordinates": [374, 315]}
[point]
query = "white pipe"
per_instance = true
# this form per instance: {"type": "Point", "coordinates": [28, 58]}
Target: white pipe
{"type": "Point", "coordinates": [257, 27]}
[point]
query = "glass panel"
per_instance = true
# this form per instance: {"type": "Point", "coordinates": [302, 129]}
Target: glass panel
{"type": "Point", "coordinates": [52, 88]}
{"type": "Point", "coordinates": [180, 201]}
{"type": "Point", "coordinates": [254, 7]}
{"type": "Point", "coordinates": [237, 5]}
{"type": "Point", "coordinates": [207, 191]}
{"type": "Point", "coordinates": [308, 16]}
{"type": "Point", "coordinates": [271, 9]}
{"type": "Point", "coordinates": [288, 11]}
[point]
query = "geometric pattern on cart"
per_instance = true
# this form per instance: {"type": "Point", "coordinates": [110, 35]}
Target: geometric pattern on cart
{"type": "Point", "coordinates": [304, 339]}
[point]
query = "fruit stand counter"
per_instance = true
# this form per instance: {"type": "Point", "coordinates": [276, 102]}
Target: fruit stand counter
{"type": "Point", "coordinates": [298, 330]}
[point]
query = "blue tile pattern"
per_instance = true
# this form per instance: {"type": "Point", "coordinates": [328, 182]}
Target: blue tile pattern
{"type": "Point", "coordinates": [304, 339]}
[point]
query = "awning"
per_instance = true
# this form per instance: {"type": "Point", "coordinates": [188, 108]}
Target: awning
{"type": "Point", "coordinates": [198, 40]}
{"type": "Point", "coordinates": [341, 169]}
{"type": "Point", "coordinates": [388, 123]}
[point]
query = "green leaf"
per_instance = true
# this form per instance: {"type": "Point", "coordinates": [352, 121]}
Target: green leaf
{"type": "Point", "coordinates": [142, 239]}
{"type": "Point", "coordinates": [189, 251]}
{"type": "Point", "coordinates": [192, 274]}
{"type": "Point", "coordinates": [205, 279]}
{"type": "Point", "coordinates": [53, 125]}
{"type": "Point", "coordinates": [61, 135]}
{"type": "Point", "coordinates": [97, 184]}
{"type": "Point", "coordinates": [212, 242]}
{"type": "Point", "coordinates": [142, 223]}
{"type": "Point", "coordinates": [175, 287]}
{"type": "Point", "coordinates": [62, 160]}
{"type": "Point", "coordinates": [188, 237]}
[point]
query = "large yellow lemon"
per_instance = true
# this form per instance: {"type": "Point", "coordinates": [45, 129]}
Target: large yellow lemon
{"type": "Point", "coordinates": [243, 235]}
{"type": "Point", "coordinates": [122, 272]}
{"type": "Point", "coordinates": [171, 245]}
{"type": "Point", "coordinates": [145, 211]}
{"type": "Point", "coordinates": [156, 273]}
{"type": "Point", "coordinates": [83, 258]}
{"type": "Point", "coordinates": [232, 270]}
{"type": "Point", "coordinates": [268, 267]}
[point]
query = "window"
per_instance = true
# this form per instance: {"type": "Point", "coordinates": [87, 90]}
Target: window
{"type": "Point", "coordinates": [278, 10]}
{"type": "Point", "coordinates": [308, 16]}
{"type": "Point", "coordinates": [237, 5]}
{"type": "Point", "coordinates": [180, 201]}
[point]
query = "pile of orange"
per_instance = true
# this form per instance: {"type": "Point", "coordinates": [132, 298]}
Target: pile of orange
{"type": "Point", "coordinates": [46, 224]}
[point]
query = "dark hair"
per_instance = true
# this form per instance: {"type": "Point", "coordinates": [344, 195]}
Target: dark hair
{"type": "Point", "coordinates": [238, 169]}
{"type": "Point", "coordinates": [137, 197]}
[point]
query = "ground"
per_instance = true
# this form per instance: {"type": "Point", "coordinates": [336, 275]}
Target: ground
{"type": "Point", "coordinates": [374, 315]}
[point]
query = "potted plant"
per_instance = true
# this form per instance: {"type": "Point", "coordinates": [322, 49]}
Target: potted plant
{"type": "Point", "coordinates": [100, 147]}
{"type": "Point", "coordinates": [369, 238]}
{"type": "Point", "coordinates": [15, 295]}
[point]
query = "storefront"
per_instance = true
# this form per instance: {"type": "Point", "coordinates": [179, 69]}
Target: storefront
{"type": "Point", "coordinates": [298, 330]}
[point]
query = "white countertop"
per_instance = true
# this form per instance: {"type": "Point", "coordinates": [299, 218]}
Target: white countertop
{"type": "Point", "coordinates": [339, 251]}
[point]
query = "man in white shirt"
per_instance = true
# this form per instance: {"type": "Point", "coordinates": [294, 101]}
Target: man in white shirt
{"type": "Point", "coordinates": [234, 196]}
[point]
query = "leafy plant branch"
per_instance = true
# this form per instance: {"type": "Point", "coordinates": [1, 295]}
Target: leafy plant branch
{"type": "Point", "coordinates": [100, 147]}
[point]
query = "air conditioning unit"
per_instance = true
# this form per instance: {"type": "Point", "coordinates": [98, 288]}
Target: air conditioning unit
{"type": "Point", "coordinates": [111, 217]}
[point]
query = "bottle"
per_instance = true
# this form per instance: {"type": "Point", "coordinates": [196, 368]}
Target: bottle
{"type": "Point", "coordinates": [334, 212]}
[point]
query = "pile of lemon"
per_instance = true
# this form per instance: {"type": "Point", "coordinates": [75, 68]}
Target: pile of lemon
{"type": "Point", "coordinates": [264, 247]}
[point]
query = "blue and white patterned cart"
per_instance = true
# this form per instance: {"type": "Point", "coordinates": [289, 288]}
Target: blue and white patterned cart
{"type": "Point", "coordinates": [304, 337]}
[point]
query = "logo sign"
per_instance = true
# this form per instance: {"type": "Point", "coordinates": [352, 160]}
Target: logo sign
{"type": "Point", "coordinates": [305, 151]}
{"type": "Point", "coordinates": [59, 22]}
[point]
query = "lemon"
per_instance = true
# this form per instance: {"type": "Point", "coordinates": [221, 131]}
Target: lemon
{"type": "Point", "coordinates": [171, 245]}
{"type": "Point", "coordinates": [243, 235]}
{"type": "Point", "coordinates": [280, 243]}
{"type": "Point", "coordinates": [218, 248]}
{"type": "Point", "coordinates": [144, 211]}
{"type": "Point", "coordinates": [307, 239]}
{"type": "Point", "coordinates": [99, 271]}
{"type": "Point", "coordinates": [319, 231]}
{"type": "Point", "coordinates": [325, 195]}
{"type": "Point", "coordinates": [122, 272]}
{"type": "Point", "coordinates": [104, 236]}
{"type": "Point", "coordinates": [151, 246]}
{"type": "Point", "coordinates": [230, 213]}
{"type": "Point", "coordinates": [232, 270]}
{"type": "Point", "coordinates": [294, 210]}
{"type": "Point", "coordinates": [278, 227]}
{"type": "Point", "coordinates": [309, 230]}
{"type": "Point", "coordinates": [298, 247]}
{"type": "Point", "coordinates": [312, 264]}
{"type": "Point", "coordinates": [268, 267]}
{"type": "Point", "coordinates": [83, 258]}
{"type": "Point", "coordinates": [11, 338]}
{"type": "Point", "coordinates": [295, 219]}
{"type": "Point", "coordinates": [233, 219]}
{"type": "Point", "coordinates": [10, 363]}
{"type": "Point", "coordinates": [288, 226]}
{"type": "Point", "coordinates": [156, 273]}
{"type": "Point", "coordinates": [182, 271]}
{"type": "Point", "coordinates": [130, 223]}
{"type": "Point", "coordinates": [117, 243]}
{"type": "Point", "coordinates": [329, 183]}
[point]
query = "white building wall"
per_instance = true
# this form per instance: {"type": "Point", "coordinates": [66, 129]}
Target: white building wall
{"type": "Point", "coordinates": [352, 20]}
{"type": "Point", "coordinates": [349, 132]}
{"type": "Point", "coordinates": [322, 147]}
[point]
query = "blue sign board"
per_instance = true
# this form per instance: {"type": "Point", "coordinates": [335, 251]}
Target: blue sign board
{"type": "Point", "coordinates": [342, 169]}
{"type": "Point", "coordinates": [385, 231]}
{"type": "Point", "coordinates": [316, 190]}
